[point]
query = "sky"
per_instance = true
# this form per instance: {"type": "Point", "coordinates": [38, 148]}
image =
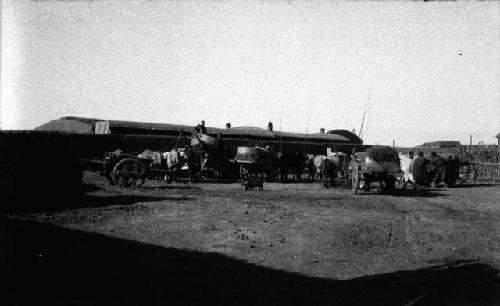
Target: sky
{"type": "Point", "coordinates": [429, 71]}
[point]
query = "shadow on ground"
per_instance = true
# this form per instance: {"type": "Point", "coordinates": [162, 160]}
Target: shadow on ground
{"type": "Point", "coordinates": [167, 187]}
{"type": "Point", "coordinates": [128, 199]}
{"type": "Point", "coordinates": [421, 193]}
{"type": "Point", "coordinates": [474, 185]}
{"type": "Point", "coordinates": [52, 265]}
{"type": "Point", "coordinates": [32, 203]}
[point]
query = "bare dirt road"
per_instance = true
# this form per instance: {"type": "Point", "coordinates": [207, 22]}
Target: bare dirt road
{"type": "Point", "coordinates": [289, 244]}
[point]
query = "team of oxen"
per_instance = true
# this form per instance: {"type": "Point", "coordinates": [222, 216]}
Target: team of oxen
{"type": "Point", "coordinates": [294, 166]}
{"type": "Point", "coordinates": [288, 167]}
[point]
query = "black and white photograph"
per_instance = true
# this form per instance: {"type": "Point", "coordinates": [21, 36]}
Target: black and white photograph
{"type": "Point", "coordinates": [240, 152]}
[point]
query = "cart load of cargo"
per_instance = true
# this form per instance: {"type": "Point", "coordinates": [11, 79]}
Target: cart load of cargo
{"type": "Point", "coordinates": [256, 161]}
{"type": "Point", "coordinates": [379, 165]}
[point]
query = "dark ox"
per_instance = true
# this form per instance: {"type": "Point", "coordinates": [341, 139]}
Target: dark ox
{"type": "Point", "coordinates": [328, 172]}
{"type": "Point", "coordinates": [253, 182]}
{"type": "Point", "coordinates": [291, 163]}
{"type": "Point", "coordinates": [311, 168]}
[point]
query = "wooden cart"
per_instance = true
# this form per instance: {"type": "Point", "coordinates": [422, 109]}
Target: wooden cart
{"type": "Point", "coordinates": [255, 161]}
{"type": "Point", "coordinates": [130, 170]}
{"type": "Point", "coordinates": [365, 171]}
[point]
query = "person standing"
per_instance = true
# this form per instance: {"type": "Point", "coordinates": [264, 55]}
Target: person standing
{"type": "Point", "coordinates": [407, 167]}
{"type": "Point", "coordinates": [438, 164]}
{"type": "Point", "coordinates": [411, 155]}
{"type": "Point", "coordinates": [419, 169]}
{"type": "Point", "coordinates": [203, 128]}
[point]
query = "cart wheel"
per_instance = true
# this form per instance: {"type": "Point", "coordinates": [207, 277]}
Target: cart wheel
{"type": "Point", "coordinates": [129, 172]}
{"type": "Point", "coordinates": [355, 180]}
{"type": "Point", "coordinates": [123, 181]}
{"type": "Point", "coordinates": [390, 184]}
{"type": "Point", "coordinates": [110, 179]}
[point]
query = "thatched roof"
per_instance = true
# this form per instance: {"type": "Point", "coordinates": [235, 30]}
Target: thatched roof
{"type": "Point", "coordinates": [86, 126]}
{"type": "Point", "coordinates": [347, 134]}
{"type": "Point", "coordinates": [71, 126]}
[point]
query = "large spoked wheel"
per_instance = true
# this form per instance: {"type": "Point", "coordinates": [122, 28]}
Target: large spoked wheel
{"type": "Point", "coordinates": [110, 179]}
{"type": "Point", "coordinates": [390, 184]}
{"type": "Point", "coordinates": [355, 179]}
{"type": "Point", "coordinates": [129, 172]}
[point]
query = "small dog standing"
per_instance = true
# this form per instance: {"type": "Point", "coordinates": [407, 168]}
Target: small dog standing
{"type": "Point", "coordinates": [254, 182]}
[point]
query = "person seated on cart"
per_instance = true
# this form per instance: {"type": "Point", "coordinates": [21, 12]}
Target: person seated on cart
{"type": "Point", "coordinates": [200, 128]}
{"type": "Point", "coordinates": [438, 166]}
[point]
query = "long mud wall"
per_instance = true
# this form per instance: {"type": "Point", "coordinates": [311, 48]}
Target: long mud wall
{"type": "Point", "coordinates": [83, 145]}
{"type": "Point", "coordinates": [90, 146]}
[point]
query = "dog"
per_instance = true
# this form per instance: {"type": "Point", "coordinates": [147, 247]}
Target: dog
{"type": "Point", "coordinates": [253, 182]}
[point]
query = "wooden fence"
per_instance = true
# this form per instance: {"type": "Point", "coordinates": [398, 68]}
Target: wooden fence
{"type": "Point", "coordinates": [485, 162]}
{"type": "Point", "coordinates": [485, 173]}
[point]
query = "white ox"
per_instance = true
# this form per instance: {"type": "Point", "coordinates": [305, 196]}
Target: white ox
{"type": "Point", "coordinates": [175, 159]}
{"type": "Point", "coordinates": [317, 163]}
{"type": "Point", "coordinates": [336, 158]}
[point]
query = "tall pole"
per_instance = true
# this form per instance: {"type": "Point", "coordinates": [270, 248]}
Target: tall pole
{"type": "Point", "coordinates": [363, 121]}
{"type": "Point", "coordinates": [281, 143]}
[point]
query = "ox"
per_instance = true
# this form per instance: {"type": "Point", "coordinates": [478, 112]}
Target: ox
{"type": "Point", "coordinates": [153, 156]}
{"type": "Point", "coordinates": [291, 162]}
{"type": "Point", "coordinates": [340, 161]}
{"type": "Point", "coordinates": [311, 168]}
{"type": "Point", "coordinates": [328, 172]}
{"type": "Point", "coordinates": [174, 161]}
{"type": "Point", "coordinates": [317, 164]}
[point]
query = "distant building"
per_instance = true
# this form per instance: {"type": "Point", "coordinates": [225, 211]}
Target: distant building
{"type": "Point", "coordinates": [442, 144]}
{"type": "Point", "coordinates": [498, 138]}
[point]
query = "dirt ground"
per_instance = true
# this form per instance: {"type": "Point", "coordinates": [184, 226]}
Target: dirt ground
{"type": "Point", "coordinates": [289, 244]}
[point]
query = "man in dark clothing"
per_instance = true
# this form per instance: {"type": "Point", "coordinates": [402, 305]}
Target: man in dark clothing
{"type": "Point", "coordinates": [200, 128]}
{"type": "Point", "coordinates": [203, 128]}
{"type": "Point", "coordinates": [452, 170]}
{"type": "Point", "coordinates": [438, 164]}
{"type": "Point", "coordinates": [419, 169]}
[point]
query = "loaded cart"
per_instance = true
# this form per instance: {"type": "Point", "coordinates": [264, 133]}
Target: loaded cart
{"type": "Point", "coordinates": [132, 169]}
{"type": "Point", "coordinates": [255, 161]}
{"type": "Point", "coordinates": [379, 165]}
